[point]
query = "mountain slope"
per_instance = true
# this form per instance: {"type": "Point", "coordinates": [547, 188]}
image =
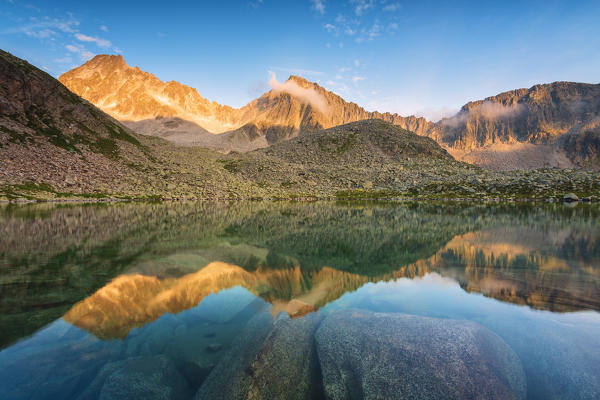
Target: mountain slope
{"type": "Point", "coordinates": [48, 134]}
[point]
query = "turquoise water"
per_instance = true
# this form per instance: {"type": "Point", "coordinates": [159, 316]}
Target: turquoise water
{"type": "Point", "coordinates": [299, 300]}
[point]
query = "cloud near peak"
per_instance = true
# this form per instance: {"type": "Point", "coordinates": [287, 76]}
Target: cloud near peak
{"type": "Point", "coordinates": [305, 95]}
{"type": "Point", "coordinates": [99, 41]}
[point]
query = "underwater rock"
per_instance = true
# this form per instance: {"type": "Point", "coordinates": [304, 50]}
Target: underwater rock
{"type": "Point", "coordinates": [231, 377]}
{"type": "Point", "coordinates": [287, 365]}
{"type": "Point", "coordinates": [386, 355]}
{"type": "Point", "coordinates": [139, 378]}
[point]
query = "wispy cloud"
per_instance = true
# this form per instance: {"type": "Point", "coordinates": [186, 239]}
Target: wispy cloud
{"type": "Point", "coordinates": [318, 6]}
{"type": "Point", "coordinates": [255, 3]}
{"type": "Point", "coordinates": [83, 53]}
{"type": "Point", "coordinates": [356, 79]}
{"type": "Point", "coordinates": [99, 41]}
{"type": "Point", "coordinates": [43, 28]}
{"type": "Point", "coordinates": [305, 95]}
{"type": "Point", "coordinates": [392, 7]}
{"type": "Point", "coordinates": [362, 5]}
{"type": "Point", "coordinates": [486, 110]}
{"type": "Point", "coordinates": [297, 71]}
{"type": "Point", "coordinates": [369, 33]}
{"type": "Point", "coordinates": [103, 28]}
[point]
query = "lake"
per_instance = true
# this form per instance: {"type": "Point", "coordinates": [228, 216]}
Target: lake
{"type": "Point", "coordinates": [299, 300]}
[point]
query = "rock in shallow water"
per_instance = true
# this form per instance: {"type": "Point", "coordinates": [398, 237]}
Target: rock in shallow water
{"type": "Point", "coordinates": [269, 361]}
{"type": "Point", "coordinates": [396, 356]}
{"type": "Point", "coordinates": [287, 367]}
{"type": "Point", "coordinates": [154, 377]}
{"type": "Point", "coordinates": [570, 197]}
{"type": "Point", "coordinates": [231, 378]}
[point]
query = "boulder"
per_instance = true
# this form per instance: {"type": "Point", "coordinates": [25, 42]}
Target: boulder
{"type": "Point", "coordinates": [231, 377]}
{"type": "Point", "coordinates": [389, 356]}
{"type": "Point", "coordinates": [570, 197]}
{"type": "Point", "coordinates": [153, 377]}
{"type": "Point", "coordinates": [287, 367]}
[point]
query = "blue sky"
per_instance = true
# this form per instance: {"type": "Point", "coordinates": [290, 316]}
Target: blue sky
{"type": "Point", "coordinates": [418, 57]}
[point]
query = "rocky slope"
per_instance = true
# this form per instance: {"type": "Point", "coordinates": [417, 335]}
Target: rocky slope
{"type": "Point", "coordinates": [141, 99]}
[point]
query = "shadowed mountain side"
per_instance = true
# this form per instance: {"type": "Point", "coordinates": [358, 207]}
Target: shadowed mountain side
{"type": "Point", "coordinates": [516, 156]}
{"type": "Point", "coordinates": [186, 133]}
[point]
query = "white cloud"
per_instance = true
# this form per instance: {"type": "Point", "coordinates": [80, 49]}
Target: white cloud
{"type": "Point", "coordinates": [487, 110]}
{"type": "Point", "coordinates": [392, 7]}
{"type": "Point", "coordinates": [99, 41]}
{"type": "Point", "coordinates": [329, 27]}
{"type": "Point", "coordinates": [362, 6]}
{"type": "Point", "coordinates": [319, 6]}
{"type": "Point", "coordinates": [63, 60]}
{"type": "Point", "coordinates": [40, 34]}
{"type": "Point", "coordinates": [305, 95]}
{"type": "Point", "coordinates": [356, 79]}
{"type": "Point", "coordinates": [104, 28]}
{"type": "Point", "coordinates": [84, 54]}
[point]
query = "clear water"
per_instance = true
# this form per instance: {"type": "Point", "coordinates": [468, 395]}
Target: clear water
{"type": "Point", "coordinates": [167, 300]}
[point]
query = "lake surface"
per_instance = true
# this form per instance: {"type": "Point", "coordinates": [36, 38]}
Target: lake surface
{"type": "Point", "coordinates": [299, 300]}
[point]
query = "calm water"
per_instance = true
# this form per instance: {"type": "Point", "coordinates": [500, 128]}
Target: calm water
{"type": "Point", "coordinates": [299, 300]}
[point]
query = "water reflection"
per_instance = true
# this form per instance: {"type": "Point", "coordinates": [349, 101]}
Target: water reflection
{"type": "Point", "coordinates": [210, 290]}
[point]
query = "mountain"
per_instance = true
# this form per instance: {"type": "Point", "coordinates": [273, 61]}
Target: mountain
{"type": "Point", "coordinates": [558, 117]}
{"type": "Point", "coordinates": [550, 125]}
{"type": "Point", "coordinates": [54, 144]}
{"type": "Point", "coordinates": [150, 106]}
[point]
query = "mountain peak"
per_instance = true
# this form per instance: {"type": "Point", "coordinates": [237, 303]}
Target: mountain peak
{"type": "Point", "coordinates": [108, 61]}
{"type": "Point", "coordinates": [301, 81]}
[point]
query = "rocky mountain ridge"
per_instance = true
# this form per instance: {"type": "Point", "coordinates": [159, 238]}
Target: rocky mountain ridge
{"type": "Point", "coordinates": [150, 106]}
{"type": "Point", "coordinates": [54, 144]}
{"type": "Point", "coordinates": [562, 115]}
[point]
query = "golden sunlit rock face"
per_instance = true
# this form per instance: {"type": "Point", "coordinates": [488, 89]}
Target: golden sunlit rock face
{"type": "Point", "coordinates": [130, 94]}
{"type": "Point", "coordinates": [131, 301]}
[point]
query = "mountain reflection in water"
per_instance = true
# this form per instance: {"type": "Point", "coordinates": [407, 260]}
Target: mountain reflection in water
{"type": "Point", "coordinates": [182, 280]}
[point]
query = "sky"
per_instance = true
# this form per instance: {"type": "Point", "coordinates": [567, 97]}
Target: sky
{"type": "Point", "coordinates": [424, 58]}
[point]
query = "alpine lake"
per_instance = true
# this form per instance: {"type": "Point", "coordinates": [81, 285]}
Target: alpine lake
{"type": "Point", "coordinates": [300, 300]}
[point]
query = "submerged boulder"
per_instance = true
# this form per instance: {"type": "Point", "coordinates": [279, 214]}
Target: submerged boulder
{"type": "Point", "coordinates": [287, 367]}
{"type": "Point", "coordinates": [154, 377]}
{"type": "Point", "coordinates": [232, 376]}
{"type": "Point", "coordinates": [269, 360]}
{"type": "Point", "coordinates": [396, 356]}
